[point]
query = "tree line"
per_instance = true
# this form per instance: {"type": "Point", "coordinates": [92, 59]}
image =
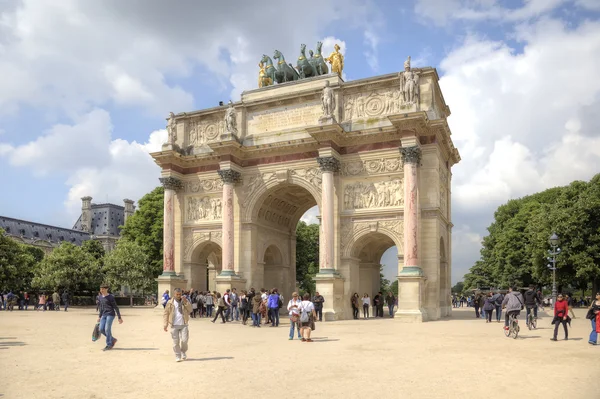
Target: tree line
{"type": "Point", "coordinates": [515, 252]}
{"type": "Point", "coordinates": [135, 262]}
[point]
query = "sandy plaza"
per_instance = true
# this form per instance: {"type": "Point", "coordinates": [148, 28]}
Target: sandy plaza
{"type": "Point", "coordinates": [51, 355]}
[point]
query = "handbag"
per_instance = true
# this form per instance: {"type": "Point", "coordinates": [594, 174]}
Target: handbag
{"type": "Point", "coordinates": [96, 332]}
{"type": "Point", "coordinates": [312, 324]}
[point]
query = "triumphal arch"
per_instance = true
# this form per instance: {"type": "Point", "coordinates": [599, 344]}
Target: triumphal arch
{"type": "Point", "coordinates": [373, 154]}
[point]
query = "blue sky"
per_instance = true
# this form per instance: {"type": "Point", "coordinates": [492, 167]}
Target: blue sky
{"type": "Point", "coordinates": [86, 87]}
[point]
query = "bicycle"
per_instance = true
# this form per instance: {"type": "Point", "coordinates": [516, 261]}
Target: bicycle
{"type": "Point", "coordinates": [531, 321]}
{"type": "Point", "coordinates": [513, 327]}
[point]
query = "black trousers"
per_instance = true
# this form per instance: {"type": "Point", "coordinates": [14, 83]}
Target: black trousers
{"type": "Point", "coordinates": [319, 312]}
{"type": "Point", "coordinates": [220, 311]}
{"type": "Point", "coordinates": [365, 310]}
{"type": "Point", "coordinates": [488, 315]}
{"type": "Point", "coordinates": [380, 311]}
{"type": "Point", "coordinates": [355, 311]}
{"type": "Point", "coordinates": [557, 324]}
{"type": "Point", "coordinates": [477, 311]}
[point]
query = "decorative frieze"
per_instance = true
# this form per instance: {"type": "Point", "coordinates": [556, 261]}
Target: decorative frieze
{"type": "Point", "coordinates": [411, 154]}
{"type": "Point", "coordinates": [203, 208]}
{"type": "Point", "coordinates": [372, 166]}
{"type": "Point", "coordinates": [329, 164]}
{"type": "Point", "coordinates": [311, 175]}
{"type": "Point", "coordinates": [230, 176]}
{"type": "Point", "coordinates": [376, 103]}
{"type": "Point", "coordinates": [171, 183]}
{"type": "Point", "coordinates": [200, 132]}
{"type": "Point", "coordinates": [362, 195]}
{"type": "Point", "coordinates": [205, 185]}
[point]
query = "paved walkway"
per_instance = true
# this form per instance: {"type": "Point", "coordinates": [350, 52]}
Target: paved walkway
{"type": "Point", "coordinates": [51, 355]}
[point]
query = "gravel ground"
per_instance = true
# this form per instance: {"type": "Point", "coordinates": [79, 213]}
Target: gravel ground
{"type": "Point", "coordinates": [51, 355]}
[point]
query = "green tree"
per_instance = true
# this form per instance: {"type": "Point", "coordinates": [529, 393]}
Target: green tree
{"type": "Point", "coordinates": [458, 288]}
{"type": "Point", "coordinates": [69, 267]}
{"type": "Point", "coordinates": [145, 227]}
{"type": "Point", "coordinates": [17, 263]}
{"type": "Point", "coordinates": [307, 255]}
{"type": "Point", "coordinates": [394, 288]}
{"type": "Point", "coordinates": [129, 265]}
{"type": "Point", "coordinates": [384, 283]}
{"type": "Point", "coordinates": [94, 248]}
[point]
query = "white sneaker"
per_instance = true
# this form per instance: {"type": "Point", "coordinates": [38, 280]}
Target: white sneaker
{"type": "Point", "coordinates": [177, 359]}
{"type": "Point", "coordinates": [183, 356]}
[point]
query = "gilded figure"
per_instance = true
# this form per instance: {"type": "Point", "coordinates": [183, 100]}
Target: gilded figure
{"type": "Point", "coordinates": [336, 59]}
{"type": "Point", "coordinates": [263, 79]}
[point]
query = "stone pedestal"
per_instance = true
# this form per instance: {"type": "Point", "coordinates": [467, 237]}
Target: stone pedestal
{"type": "Point", "coordinates": [331, 286]}
{"type": "Point", "coordinates": [410, 296]}
{"type": "Point", "coordinates": [327, 120]}
{"type": "Point", "coordinates": [168, 281]}
{"type": "Point", "coordinates": [225, 282]}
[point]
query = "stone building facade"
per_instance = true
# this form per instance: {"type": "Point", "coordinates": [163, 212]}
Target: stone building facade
{"type": "Point", "coordinates": [374, 157]}
{"type": "Point", "coordinates": [97, 221]}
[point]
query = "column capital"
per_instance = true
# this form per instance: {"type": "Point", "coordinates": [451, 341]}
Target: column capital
{"type": "Point", "coordinates": [411, 154]}
{"type": "Point", "coordinates": [229, 176]}
{"type": "Point", "coordinates": [329, 164]}
{"type": "Point", "coordinates": [171, 183]}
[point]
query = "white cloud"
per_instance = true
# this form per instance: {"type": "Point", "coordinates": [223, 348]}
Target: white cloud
{"type": "Point", "coordinates": [310, 216]}
{"type": "Point", "coordinates": [77, 54]}
{"type": "Point", "coordinates": [371, 54]}
{"type": "Point", "coordinates": [441, 12]}
{"type": "Point", "coordinates": [523, 122]}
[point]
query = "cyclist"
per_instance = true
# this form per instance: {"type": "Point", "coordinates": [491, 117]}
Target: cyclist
{"type": "Point", "coordinates": [532, 301]}
{"type": "Point", "coordinates": [513, 303]}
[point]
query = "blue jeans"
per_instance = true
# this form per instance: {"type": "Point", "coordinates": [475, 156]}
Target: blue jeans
{"type": "Point", "coordinates": [297, 326]}
{"type": "Point", "coordinates": [235, 313]}
{"type": "Point", "coordinates": [274, 316]}
{"type": "Point", "coordinates": [529, 311]}
{"type": "Point", "coordinates": [256, 319]}
{"type": "Point", "coordinates": [498, 312]}
{"type": "Point", "coordinates": [106, 328]}
{"type": "Point", "coordinates": [482, 313]}
{"type": "Point", "coordinates": [391, 309]}
{"type": "Point", "coordinates": [66, 305]}
{"type": "Point", "coordinates": [209, 310]}
{"type": "Point", "coordinates": [594, 334]}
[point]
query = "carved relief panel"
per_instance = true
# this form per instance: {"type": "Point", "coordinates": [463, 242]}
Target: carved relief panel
{"type": "Point", "coordinates": [378, 102]}
{"type": "Point", "coordinates": [202, 208]}
{"type": "Point", "coordinates": [363, 195]}
{"type": "Point", "coordinates": [205, 185]}
{"type": "Point", "coordinates": [200, 132]}
{"type": "Point", "coordinates": [372, 166]}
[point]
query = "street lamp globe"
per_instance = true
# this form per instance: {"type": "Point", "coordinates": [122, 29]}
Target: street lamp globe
{"type": "Point", "coordinates": [554, 240]}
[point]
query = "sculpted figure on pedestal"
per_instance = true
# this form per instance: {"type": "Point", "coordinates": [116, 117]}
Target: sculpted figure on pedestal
{"type": "Point", "coordinates": [328, 101]}
{"type": "Point", "coordinates": [336, 59]}
{"type": "Point", "coordinates": [230, 119]}
{"type": "Point", "coordinates": [263, 79]}
{"type": "Point", "coordinates": [171, 129]}
{"type": "Point", "coordinates": [409, 83]}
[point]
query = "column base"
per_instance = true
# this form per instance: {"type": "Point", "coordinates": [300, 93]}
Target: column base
{"type": "Point", "coordinates": [169, 280]}
{"type": "Point", "coordinates": [411, 281]}
{"type": "Point", "coordinates": [330, 284]}
{"type": "Point", "coordinates": [228, 280]}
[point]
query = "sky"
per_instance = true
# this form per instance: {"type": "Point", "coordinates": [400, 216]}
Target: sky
{"type": "Point", "coordinates": [85, 87]}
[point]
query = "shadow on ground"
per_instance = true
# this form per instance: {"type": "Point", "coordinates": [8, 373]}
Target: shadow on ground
{"type": "Point", "coordinates": [209, 358]}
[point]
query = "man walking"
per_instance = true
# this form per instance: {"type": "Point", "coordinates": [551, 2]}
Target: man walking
{"type": "Point", "coordinates": [66, 298]}
{"type": "Point", "coordinates": [56, 300]}
{"type": "Point", "coordinates": [234, 300]}
{"type": "Point", "coordinates": [227, 300]}
{"type": "Point", "coordinates": [318, 301]}
{"type": "Point", "coordinates": [108, 309]}
{"type": "Point", "coordinates": [177, 314]}
{"type": "Point", "coordinates": [273, 305]}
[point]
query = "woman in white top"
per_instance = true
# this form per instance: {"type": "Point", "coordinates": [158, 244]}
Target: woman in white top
{"type": "Point", "coordinates": [293, 307]}
{"type": "Point", "coordinates": [307, 309]}
{"type": "Point", "coordinates": [366, 301]}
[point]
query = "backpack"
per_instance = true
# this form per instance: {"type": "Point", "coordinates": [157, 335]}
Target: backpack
{"type": "Point", "coordinates": [499, 300]}
{"type": "Point", "coordinates": [304, 316]}
{"type": "Point", "coordinates": [279, 302]}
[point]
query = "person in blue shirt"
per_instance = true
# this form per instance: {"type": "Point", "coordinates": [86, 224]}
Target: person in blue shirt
{"type": "Point", "coordinates": [108, 310]}
{"type": "Point", "coordinates": [273, 305]}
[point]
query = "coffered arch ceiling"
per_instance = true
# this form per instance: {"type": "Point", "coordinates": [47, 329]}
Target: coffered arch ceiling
{"type": "Point", "coordinates": [284, 205]}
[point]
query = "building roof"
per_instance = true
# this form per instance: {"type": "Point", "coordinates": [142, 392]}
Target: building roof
{"type": "Point", "coordinates": [106, 219]}
{"type": "Point", "coordinates": [31, 232]}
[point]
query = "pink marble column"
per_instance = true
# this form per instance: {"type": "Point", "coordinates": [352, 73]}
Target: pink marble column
{"type": "Point", "coordinates": [171, 185]}
{"type": "Point", "coordinates": [329, 165]}
{"type": "Point", "coordinates": [411, 157]}
{"type": "Point", "coordinates": [229, 177]}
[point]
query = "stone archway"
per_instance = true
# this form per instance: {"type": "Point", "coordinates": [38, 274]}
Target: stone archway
{"type": "Point", "coordinates": [378, 163]}
{"type": "Point", "coordinates": [204, 266]}
{"type": "Point", "coordinates": [273, 268]}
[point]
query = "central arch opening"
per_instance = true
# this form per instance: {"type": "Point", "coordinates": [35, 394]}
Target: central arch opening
{"type": "Point", "coordinates": [276, 218]}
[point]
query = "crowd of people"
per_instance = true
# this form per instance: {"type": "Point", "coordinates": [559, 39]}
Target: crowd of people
{"type": "Point", "coordinates": [41, 301]}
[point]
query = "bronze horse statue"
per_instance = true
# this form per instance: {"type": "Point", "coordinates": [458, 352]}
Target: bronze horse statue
{"type": "Point", "coordinates": [269, 68]}
{"type": "Point", "coordinates": [318, 62]}
{"type": "Point", "coordinates": [285, 72]}
{"type": "Point", "coordinates": [304, 66]}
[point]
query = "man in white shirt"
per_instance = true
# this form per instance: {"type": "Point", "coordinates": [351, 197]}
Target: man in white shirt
{"type": "Point", "coordinates": [177, 313]}
{"type": "Point", "coordinates": [294, 308]}
{"type": "Point", "coordinates": [227, 300]}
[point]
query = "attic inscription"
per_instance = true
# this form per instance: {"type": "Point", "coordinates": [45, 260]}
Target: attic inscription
{"type": "Point", "coordinates": [282, 118]}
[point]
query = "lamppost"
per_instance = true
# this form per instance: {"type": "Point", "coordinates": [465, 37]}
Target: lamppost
{"type": "Point", "coordinates": [554, 241]}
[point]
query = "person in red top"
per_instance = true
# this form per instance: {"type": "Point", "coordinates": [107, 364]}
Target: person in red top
{"type": "Point", "coordinates": [561, 316]}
